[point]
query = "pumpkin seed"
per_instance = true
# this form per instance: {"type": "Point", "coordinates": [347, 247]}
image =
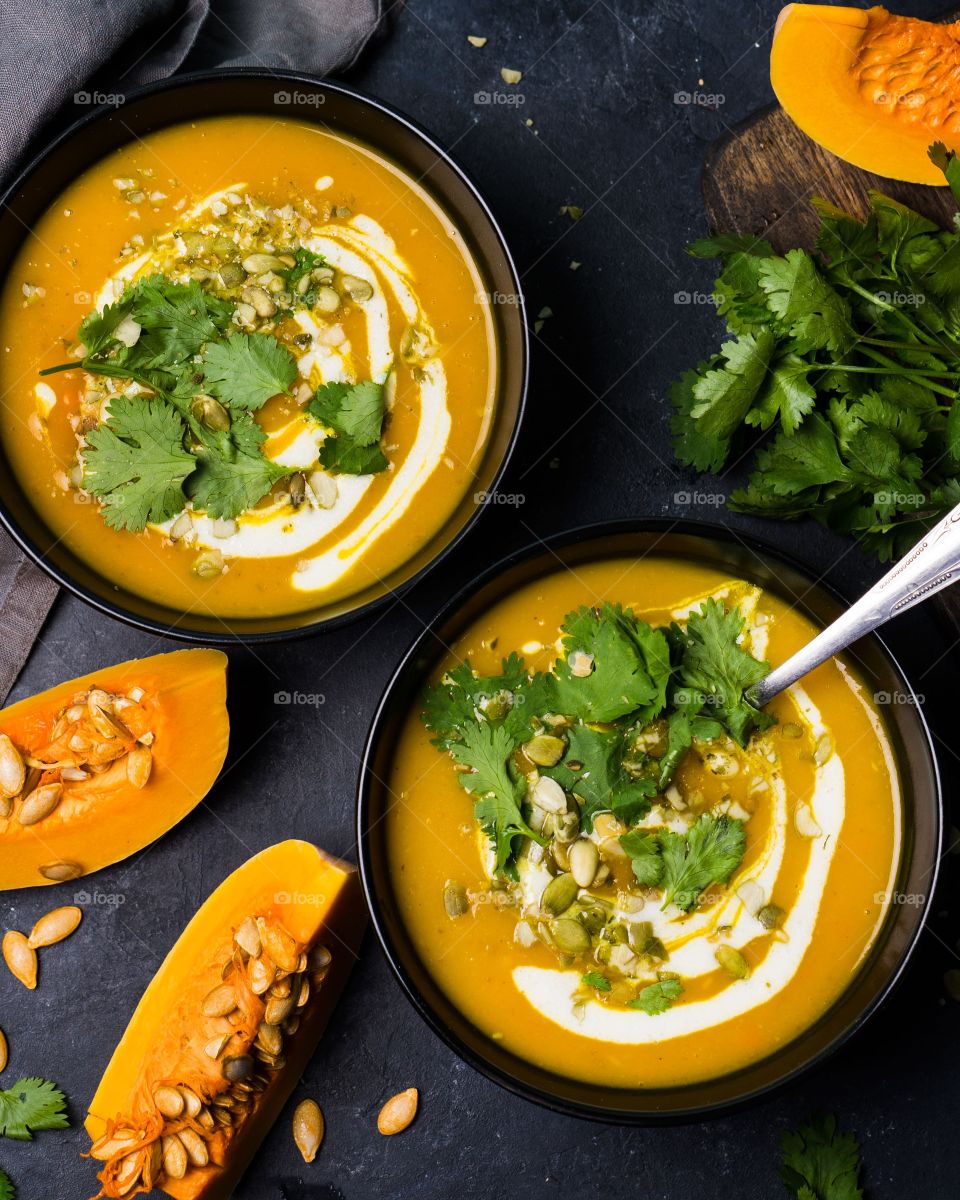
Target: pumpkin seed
{"type": "Point", "coordinates": [214, 1048]}
{"type": "Point", "coordinates": [208, 565]}
{"type": "Point", "coordinates": [60, 872]}
{"type": "Point", "coordinates": [139, 765]}
{"type": "Point", "coordinates": [195, 1147]}
{"type": "Point", "coordinates": [771, 916]}
{"type": "Point", "coordinates": [559, 894]}
{"type": "Point", "coordinates": [174, 1156]}
{"type": "Point", "coordinates": [279, 945]}
{"type": "Point", "coordinates": [40, 803]}
{"type": "Point", "coordinates": [248, 938]}
{"type": "Point", "coordinates": [324, 488]}
{"type": "Point", "coordinates": [584, 861]}
{"type": "Point", "coordinates": [237, 1066]}
{"type": "Point", "coordinates": [308, 1127]}
{"type": "Point", "coordinates": [278, 1008]}
{"type": "Point", "coordinates": [304, 994]}
{"type": "Point", "coordinates": [128, 1173]}
{"type": "Point", "coordinates": [570, 936]}
{"type": "Point", "coordinates": [262, 973]}
{"type": "Point", "coordinates": [12, 768]}
{"type": "Point", "coordinates": [74, 774]}
{"type": "Point", "coordinates": [398, 1112]}
{"type": "Point", "coordinates": [4, 1051]}
{"type": "Point", "coordinates": [110, 1144]}
{"type": "Point", "coordinates": [191, 1100]}
{"type": "Point", "coordinates": [327, 300]}
{"type": "Point", "coordinates": [549, 795]}
{"type": "Point", "coordinates": [169, 1101]}
{"type": "Point", "coordinates": [211, 414]}
{"type": "Point", "coordinates": [259, 264]}
{"type": "Point", "coordinates": [270, 1038]}
{"type": "Point", "coordinates": [298, 489]}
{"type": "Point", "coordinates": [205, 1118]}
{"type": "Point", "coordinates": [260, 300]}
{"type": "Point", "coordinates": [357, 289]}
{"type": "Point", "coordinates": [805, 822]}
{"type": "Point", "coordinates": [291, 1025]}
{"type": "Point", "coordinates": [21, 958]}
{"type": "Point", "coordinates": [283, 987]}
{"type": "Point", "coordinates": [6, 806]}
{"type": "Point", "coordinates": [221, 1001]}
{"type": "Point", "coordinates": [580, 664]}
{"type": "Point", "coordinates": [732, 961]}
{"type": "Point", "coordinates": [54, 926]}
{"type": "Point", "coordinates": [545, 750]}
{"type": "Point", "coordinates": [455, 900]}
{"type": "Point", "coordinates": [318, 957]}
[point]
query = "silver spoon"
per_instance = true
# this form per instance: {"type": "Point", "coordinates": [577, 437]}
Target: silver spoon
{"type": "Point", "coordinates": [933, 564]}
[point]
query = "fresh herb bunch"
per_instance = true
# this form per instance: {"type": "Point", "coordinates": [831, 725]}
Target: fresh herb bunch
{"type": "Point", "coordinates": [693, 677]}
{"type": "Point", "coordinates": [193, 436]}
{"type": "Point", "coordinates": [851, 358]}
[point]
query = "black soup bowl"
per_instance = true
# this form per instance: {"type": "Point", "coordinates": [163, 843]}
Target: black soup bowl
{"type": "Point", "coordinates": [340, 110]}
{"type": "Point", "coordinates": [922, 824]}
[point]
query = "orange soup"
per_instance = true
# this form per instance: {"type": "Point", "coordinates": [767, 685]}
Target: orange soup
{"type": "Point", "coordinates": [613, 863]}
{"type": "Point", "coordinates": [268, 381]}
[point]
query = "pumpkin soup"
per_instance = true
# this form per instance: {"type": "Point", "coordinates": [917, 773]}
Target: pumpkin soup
{"type": "Point", "coordinates": [610, 860]}
{"type": "Point", "coordinates": [246, 367]}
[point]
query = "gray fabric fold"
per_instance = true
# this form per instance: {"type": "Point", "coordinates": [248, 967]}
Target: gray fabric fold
{"type": "Point", "coordinates": [57, 55]}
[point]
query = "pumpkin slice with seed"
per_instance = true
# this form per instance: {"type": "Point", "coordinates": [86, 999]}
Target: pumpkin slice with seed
{"type": "Point", "coordinates": [210, 1056]}
{"type": "Point", "coordinates": [98, 767]}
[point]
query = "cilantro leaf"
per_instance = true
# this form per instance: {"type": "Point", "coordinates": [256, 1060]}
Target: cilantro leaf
{"type": "Point", "coordinates": [305, 262]}
{"type": "Point", "coordinates": [788, 394]}
{"type": "Point", "coordinates": [246, 370]}
{"type": "Point", "coordinates": [30, 1106]}
{"type": "Point", "coordinates": [725, 393]}
{"type": "Point", "coordinates": [485, 749]}
{"type": "Point", "coordinates": [593, 769]}
{"type": "Point", "coordinates": [644, 852]}
{"type": "Point", "coordinates": [355, 412]}
{"type": "Point", "coordinates": [812, 312]}
{"type": "Point", "coordinates": [177, 319]}
{"type": "Point", "coordinates": [656, 998]}
{"type": "Point", "coordinates": [228, 483]}
{"type": "Point", "coordinates": [136, 464]}
{"type": "Point", "coordinates": [592, 979]}
{"type": "Point", "coordinates": [7, 1190]}
{"type": "Point", "coordinates": [630, 666]}
{"type": "Point", "coordinates": [709, 852]}
{"type": "Point", "coordinates": [454, 702]}
{"type": "Point", "coordinates": [818, 1163]}
{"type": "Point", "coordinates": [719, 670]}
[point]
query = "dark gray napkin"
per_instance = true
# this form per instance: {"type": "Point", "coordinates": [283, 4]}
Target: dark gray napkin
{"type": "Point", "coordinates": [55, 53]}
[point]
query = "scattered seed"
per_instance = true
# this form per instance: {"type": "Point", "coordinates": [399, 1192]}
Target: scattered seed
{"type": "Point", "coordinates": [40, 803]}
{"type": "Point", "coordinates": [545, 750]}
{"type": "Point", "coordinates": [278, 1008]}
{"type": "Point", "coordinates": [584, 861]}
{"type": "Point", "coordinates": [12, 768]}
{"type": "Point", "coordinates": [237, 1067]}
{"type": "Point", "coordinates": [805, 822]}
{"type": "Point", "coordinates": [260, 264]}
{"type": "Point", "coordinates": [398, 1112]}
{"type": "Point", "coordinates": [221, 1001]}
{"type": "Point", "coordinates": [21, 958]}
{"type": "Point", "coordinates": [60, 872]}
{"type": "Point", "coordinates": [110, 1144]}
{"type": "Point", "coordinates": [54, 926]}
{"type": "Point", "coordinates": [214, 1048]}
{"type": "Point", "coordinates": [455, 900]}
{"type": "Point", "coordinates": [308, 1127]}
{"type": "Point", "coordinates": [732, 961]}
{"type": "Point", "coordinates": [559, 894]}
{"type": "Point", "coordinates": [570, 936]}
{"type": "Point", "coordinates": [262, 973]}
{"type": "Point", "coordinates": [247, 937]}
{"type": "Point", "coordinates": [139, 765]}
{"type": "Point", "coordinates": [209, 564]}
{"type": "Point", "coordinates": [479, 42]}
{"type": "Point", "coordinates": [509, 75]}
{"type": "Point", "coordinates": [359, 290]}
{"type": "Point", "coordinates": [324, 488]}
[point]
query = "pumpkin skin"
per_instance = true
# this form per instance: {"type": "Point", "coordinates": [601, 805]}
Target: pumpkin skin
{"type": "Point", "coordinates": [317, 899]}
{"type": "Point", "coordinates": [875, 89]}
{"type": "Point", "coordinates": [104, 818]}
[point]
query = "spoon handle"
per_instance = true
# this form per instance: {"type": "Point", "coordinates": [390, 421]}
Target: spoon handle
{"type": "Point", "coordinates": [933, 564]}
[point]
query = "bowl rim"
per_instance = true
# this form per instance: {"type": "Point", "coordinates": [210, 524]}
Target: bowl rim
{"type": "Point", "coordinates": [227, 637]}
{"type": "Point", "coordinates": [595, 531]}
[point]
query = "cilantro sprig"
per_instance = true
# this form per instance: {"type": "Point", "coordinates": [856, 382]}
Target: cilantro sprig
{"type": "Point", "coordinates": [820, 1163]}
{"type": "Point", "coordinates": [850, 358]}
{"type": "Point", "coordinates": [627, 675]}
{"type": "Point", "coordinates": [355, 413]}
{"type": "Point", "coordinates": [656, 998]}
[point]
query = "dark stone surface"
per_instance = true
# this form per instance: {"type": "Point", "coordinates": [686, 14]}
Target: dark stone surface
{"type": "Point", "coordinates": [608, 136]}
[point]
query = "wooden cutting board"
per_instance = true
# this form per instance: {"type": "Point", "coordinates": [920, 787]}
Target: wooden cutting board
{"type": "Point", "coordinates": [759, 178]}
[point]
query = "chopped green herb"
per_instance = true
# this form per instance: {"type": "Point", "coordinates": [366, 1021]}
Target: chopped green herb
{"type": "Point", "coordinates": [819, 1163]}
{"type": "Point", "coordinates": [246, 370]}
{"type": "Point", "coordinates": [644, 852]}
{"type": "Point", "coordinates": [656, 998]}
{"type": "Point", "coordinates": [30, 1106]}
{"type": "Point", "coordinates": [230, 482]}
{"type": "Point", "coordinates": [709, 852]}
{"type": "Point", "coordinates": [355, 413]}
{"type": "Point", "coordinates": [7, 1190]}
{"type": "Point", "coordinates": [595, 980]}
{"type": "Point", "coordinates": [600, 778]}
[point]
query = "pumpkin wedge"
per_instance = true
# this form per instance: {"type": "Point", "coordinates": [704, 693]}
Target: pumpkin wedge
{"type": "Point", "coordinates": [227, 1026]}
{"type": "Point", "coordinates": [873, 88]}
{"type": "Point", "coordinates": [98, 767]}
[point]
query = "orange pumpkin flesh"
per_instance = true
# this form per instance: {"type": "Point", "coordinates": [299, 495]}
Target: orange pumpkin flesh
{"type": "Point", "coordinates": [180, 711]}
{"type": "Point", "coordinates": [307, 896]}
{"type": "Point", "coordinates": [873, 88]}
